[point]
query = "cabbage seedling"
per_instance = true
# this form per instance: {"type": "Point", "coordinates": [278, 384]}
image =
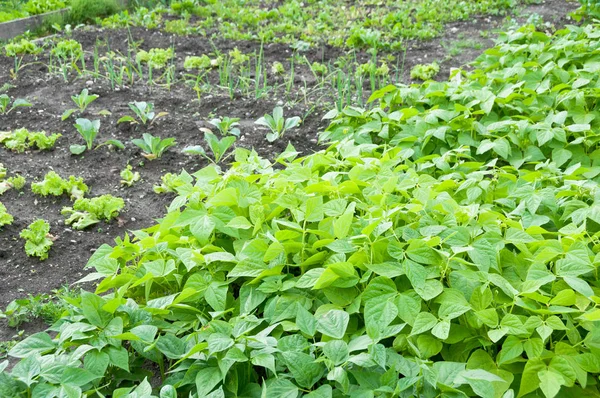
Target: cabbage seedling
{"type": "Point", "coordinates": [227, 125]}
{"type": "Point", "coordinates": [144, 111]}
{"type": "Point", "coordinates": [277, 123]}
{"type": "Point", "coordinates": [153, 147]}
{"type": "Point", "coordinates": [218, 146]}
{"type": "Point", "coordinates": [82, 100]}
{"type": "Point", "coordinates": [88, 130]}
{"type": "Point", "coordinates": [5, 107]}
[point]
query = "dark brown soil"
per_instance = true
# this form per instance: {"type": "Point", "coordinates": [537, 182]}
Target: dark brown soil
{"type": "Point", "coordinates": [100, 168]}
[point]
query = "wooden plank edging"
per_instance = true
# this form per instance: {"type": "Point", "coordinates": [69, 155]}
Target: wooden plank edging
{"type": "Point", "coordinates": [17, 27]}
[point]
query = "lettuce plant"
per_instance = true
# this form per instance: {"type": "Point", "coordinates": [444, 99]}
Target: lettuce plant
{"type": "Point", "coordinates": [86, 212]}
{"type": "Point", "coordinates": [53, 184]}
{"type": "Point", "coordinates": [171, 182]}
{"type": "Point", "coordinates": [157, 58]}
{"type": "Point", "coordinates": [128, 176]}
{"type": "Point", "coordinates": [67, 50]}
{"type": "Point", "coordinates": [425, 71]}
{"type": "Point", "coordinates": [5, 217]}
{"type": "Point", "coordinates": [38, 240]}
{"type": "Point", "coordinates": [16, 182]}
{"type": "Point", "coordinates": [21, 47]}
{"type": "Point", "coordinates": [35, 7]}
{"type": "Point", "coordinates": [202, 62]}
{"type": "Point", "coordinates": [22, 139]}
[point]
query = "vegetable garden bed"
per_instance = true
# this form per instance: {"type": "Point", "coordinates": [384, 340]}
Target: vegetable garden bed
{"type": "Point", "coordinates": [295, 238]}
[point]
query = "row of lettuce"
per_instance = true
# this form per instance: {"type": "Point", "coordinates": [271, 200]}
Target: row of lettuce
{"type": "Point", "coordinates": [445, 243]}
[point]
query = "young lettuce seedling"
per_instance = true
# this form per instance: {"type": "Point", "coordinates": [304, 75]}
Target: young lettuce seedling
{"type": "Point", "coordinates": [277, 123]}
{"type": "Point", "coordinates": [82, 100]}
{"type": "Point", "coordinates": [5, 102]}
{"type": "Point", "coordinates": [86, 212]}
{"type": "Point", "coordinates": [37, 239]}
{"type": "Point", "coordinates": [128, 176]}
{"type": "Point", "coordinates": [53, 184]}
{"type": "Point", "coordinates": [5, 218]}
{"type": "Point", "coordinates": [88, 130]}
{"type": "Point", "coordinates": [22, 139]}
{"type": "Point", "coordinates": [145, 113]}
{"type": "Point", "coordinates": [153, 147]}
{"type": "Point", "coordinates": [17, 182]}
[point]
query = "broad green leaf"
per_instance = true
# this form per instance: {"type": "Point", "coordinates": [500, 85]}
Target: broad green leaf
{"type": "Point", "coordinates": [207, 379]}
{"type": "Point", "coordinates": [333, 323]}
{"type": "Point", "coordinates": [303, 367]}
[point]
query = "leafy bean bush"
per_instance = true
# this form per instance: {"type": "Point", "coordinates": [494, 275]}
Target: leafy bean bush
{"type": "Point", "coordinates": [531, 102]}
{"type": "Point", "coordinates": [399, 262]}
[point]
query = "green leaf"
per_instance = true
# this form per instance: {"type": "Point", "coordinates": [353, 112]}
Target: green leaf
{"type": "Point", "coordinates": [530, 380]}
{"type": "Point", "coordinates": [441, 330]}
{"type": "Point", "coordinates": [420, 252]}
{"type": "Point", "coordinates": [216, 296]}
{"type": "Point", "coordinates": [206, 380]}
{"type": "Point", "coordinates": [550, 382]}
{"type": "Point", "coordinates": [336, 351]}
{"type": "Point", "coordinates": [423, 322]}
{"type": "Point", "coordinates": [333, 323]}
{"type": "Point", "coordinates": [168, 391]}
{"type": "Point", "coordinates": [91, 305]}
{"type": "Point", "coordinates": [305, 321]}
{"type": "Point", "coordinates": [303, 367]}
{"type": "Point", "coordinates": [379, 313]}
{"type": "Point", "coordinates": [218, 342]}
{"type": "Point", "coordinates": [38, 343]}
{"type": "Point", "coordinates": [77, 149]}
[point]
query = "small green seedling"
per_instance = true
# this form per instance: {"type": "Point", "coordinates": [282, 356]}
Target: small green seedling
{"type": "Point", "coordinates": [277, 123]}
{"type": "Point", "coordinates": [128, 176]}
{"type": "Point", "coordinates": [227, 125]}
{"type": "Point", "coordinates": [22, 139]}
{"type": "Point", "coordinates": [5, 217]}
{"type": "Point", "coordinates": [6, 107]}
{"type": "Point", "coordinates": [153, 147]}
{"type": "Point", "coordinates": [53, 184]}
{"type": "Point", "coordinates": [17, 182]}
{"type": "Point", "coordinates": [37, 239]}
{"type": "Point", "coordinates": [82, 100]}
{"type": "Point", "coordinates": [144, 112]}
{"type": "Point", "coordinates": [277, 68]}
{"type": "Point", "coordinates": [86, 212]}
{"type": "Point", "coordinates": [89, 130]}
{"type": "Point", "coordinates": [218, 147]}
{"type": "Point", "coordinates": [425, 71]}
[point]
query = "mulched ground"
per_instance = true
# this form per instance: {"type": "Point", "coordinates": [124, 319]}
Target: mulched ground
{"type": "Point", "coordinates": [100, 168]}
